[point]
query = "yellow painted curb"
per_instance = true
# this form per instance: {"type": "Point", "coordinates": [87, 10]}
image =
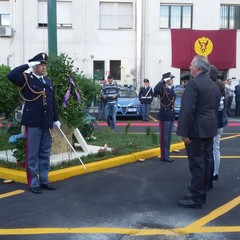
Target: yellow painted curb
{"type": "Point", "coordinates": [15, 175]}
{"type": "Point", "coordinates": [58, 175]}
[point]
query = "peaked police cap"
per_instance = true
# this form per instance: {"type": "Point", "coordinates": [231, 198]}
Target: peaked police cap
{"type": "Point", "coordinates": [167, 76]}
{"type": "Point", "coordinates": [41, 57]}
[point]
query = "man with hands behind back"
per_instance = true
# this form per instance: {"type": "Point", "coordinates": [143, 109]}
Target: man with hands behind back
{"type": "Point", "coordinates": [197, 125]}
{"type": "Point", "coordinates": [39, 115]}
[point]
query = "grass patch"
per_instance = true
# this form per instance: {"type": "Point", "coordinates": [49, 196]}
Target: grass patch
{"type": "Point", "coordinates": [121, 144]}
{"type": "Point", "coordinates": [4, 144]}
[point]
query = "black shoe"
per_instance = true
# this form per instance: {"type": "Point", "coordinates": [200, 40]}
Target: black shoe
{"type": "Point", "coordinates": [215, 177]}
{"type": "Point", "coordinates": [189, 203]}
{"type": "Point", "coordinates": [47, 186]}
{"type": "Point", "coordinates": [166, 160]}
{"type": "Point", "coordinates": [188, 196]}
{"type": "Point", "coordinates": [36, 190]}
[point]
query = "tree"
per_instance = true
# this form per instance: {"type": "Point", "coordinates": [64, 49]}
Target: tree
{"type": "Point", "coordinates": [61, 69]}
{"type": "Point", "coordinates": [9, 96]}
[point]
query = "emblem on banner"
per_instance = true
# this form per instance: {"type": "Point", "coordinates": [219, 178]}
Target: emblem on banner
{"type": "Point", "coordinates": [203, 46]}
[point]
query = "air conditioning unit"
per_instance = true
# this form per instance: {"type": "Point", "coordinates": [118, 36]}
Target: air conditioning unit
{"type": "Point", "coordinates": [6, 31]}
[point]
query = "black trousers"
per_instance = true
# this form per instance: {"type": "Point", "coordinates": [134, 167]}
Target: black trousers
{"type": "Point", "coordinates": [237, 109]}
{"type": "Point", "coordinates": [200, 157]}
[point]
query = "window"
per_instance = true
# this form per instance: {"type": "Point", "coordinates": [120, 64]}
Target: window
{"type": "Point", "coordinates": [114, 15]}
{"type": "Point", "coordinates": [128, 93]}
{"type": "Point", "coordinates": [115, 69]}
{"type": "Point", "coordinates": [230, 17]}
{"type": "Point", "coordinates": [98, 70]}
{"type": "Point", "coordinates": [63, 14]}
{"type": "Point", "coordinates": [4, 20]}
{"type": "Point", "coordinates": [175, 16]}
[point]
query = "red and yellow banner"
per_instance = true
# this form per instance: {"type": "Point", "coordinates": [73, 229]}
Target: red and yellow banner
{"type": "Point", "coordinates": [218, 45]}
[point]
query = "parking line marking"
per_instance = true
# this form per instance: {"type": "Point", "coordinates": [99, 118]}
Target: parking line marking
{"type": "Point", "coordinates": [223, 229]}
{"type": "Point", "coordinates": [9, 194]}
{"type": "Point", "coordinates": [233, 136]}
{"type": "Point", "coordinates": [154, 119]}
{"type": "Point", "coordinates": [122, 231]}
{"type": "Point", "coordinates": [197, 225]}
{"type": "Point", "coordinates": [222, 157]}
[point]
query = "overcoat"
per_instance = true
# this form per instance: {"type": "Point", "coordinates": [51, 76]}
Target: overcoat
{"type": "Point", "coordinates": [199, 108]}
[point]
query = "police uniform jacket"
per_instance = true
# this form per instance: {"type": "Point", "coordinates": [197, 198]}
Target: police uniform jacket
{"type": "Point", "coordinates": [167, 99]}
{"type": "Point", "coordinates": [39, 109]}
{"type": "Point", "coordinates": [145, 95]}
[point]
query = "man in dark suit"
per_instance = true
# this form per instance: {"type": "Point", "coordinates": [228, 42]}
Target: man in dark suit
{"type": "Point", "coordinates": [197, 125]}
{"type": "Point", "coordinates": [237, 99]}
{"type": "Point", "coordinates": [39, 116]}
{"type": "Point", "coordinates": [166, 114]}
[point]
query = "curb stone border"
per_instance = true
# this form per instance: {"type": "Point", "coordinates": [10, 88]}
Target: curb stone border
{"type": "Point", "coordinates": [61, 174]}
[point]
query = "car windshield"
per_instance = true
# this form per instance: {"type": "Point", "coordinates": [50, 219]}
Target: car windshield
{"type": "Point", "coordinates": [128, 93]}
{"type": "Point", "coordinates": [178, 92]}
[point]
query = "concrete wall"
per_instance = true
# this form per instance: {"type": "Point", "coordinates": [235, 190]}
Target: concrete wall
{"type": "Point", "coordinates": [85, 42]}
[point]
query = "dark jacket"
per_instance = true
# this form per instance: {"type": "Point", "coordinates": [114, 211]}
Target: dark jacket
{"type": "Point", "coordinates": [167, 99]}
{"type": "Point", "coordinates": [237, 92]}
{"type": "Point", "coordinates": [199, 108]}
{"type": "Point", "coordinates": [145, 95]}
{"type": "Point", "coordinates": [41, 112]}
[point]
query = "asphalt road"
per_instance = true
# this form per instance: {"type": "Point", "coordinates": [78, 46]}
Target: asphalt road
{"type": "Point", "coordinates": [133, 201]}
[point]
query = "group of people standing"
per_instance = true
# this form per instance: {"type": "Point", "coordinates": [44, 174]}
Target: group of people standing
{"type": "Point", "coordinates": [200, 125]}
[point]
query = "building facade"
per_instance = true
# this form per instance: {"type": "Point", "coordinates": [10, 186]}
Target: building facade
{"type": "Point", "coordinates": [130, 39]}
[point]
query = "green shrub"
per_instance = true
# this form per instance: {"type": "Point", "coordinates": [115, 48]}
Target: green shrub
{"type": "Point", "coordinates": [9, 96]}
{"type": "Point", "coordinates": [60, 68]}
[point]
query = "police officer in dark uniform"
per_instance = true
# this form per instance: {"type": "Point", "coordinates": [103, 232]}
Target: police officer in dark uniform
{"type": "Point", "coordinates": [39, 115]}
{"type": "Point", "coordinates": [145, 98]}
{"type": "Point", "coordinates": [167, 96]}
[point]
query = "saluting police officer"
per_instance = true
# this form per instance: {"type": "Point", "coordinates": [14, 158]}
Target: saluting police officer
{"type": "Point", "coordinates": [166, 115]}
{"type": "Point", "coordinates": [39, 115]}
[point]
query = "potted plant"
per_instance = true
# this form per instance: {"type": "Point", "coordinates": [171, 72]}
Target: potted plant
{"type": "Point", "coordinates": [18, 143]}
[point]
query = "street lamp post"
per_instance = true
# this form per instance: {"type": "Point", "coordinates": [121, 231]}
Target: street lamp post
{"type": "Point", "coordinates": [52, 27]}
